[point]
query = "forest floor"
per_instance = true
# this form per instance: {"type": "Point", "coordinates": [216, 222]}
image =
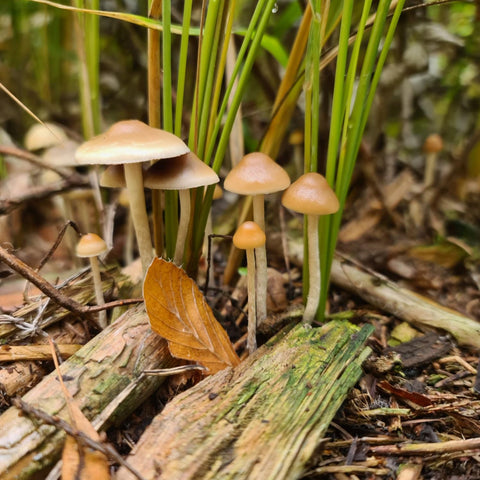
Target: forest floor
{"type": "Point", "coordinates": [419, 386]}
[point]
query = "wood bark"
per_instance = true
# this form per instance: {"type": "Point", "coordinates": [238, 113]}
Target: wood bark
{"type": "Point", "coordinates": [106, 368]}
{"type": "Point", "coordinates": [263, 419]}
{"type": "Point", "coordinates": [403, 303]}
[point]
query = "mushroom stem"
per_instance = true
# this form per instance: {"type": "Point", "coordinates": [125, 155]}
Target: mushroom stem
{"type": "Point", "coordinates": [261, 260]}
{"type": "Point", "coordinates": [97, 283]}
{"type": "Point", "coordinates": [138, 209]}
{"type": "Point", "coordinates": [184, 196]}
{"type": "Point", "coordinates": [314, 270]}
{"type": "Point", "coordinates": [429, 174]}
{"type": "Point", "coordinates": [252, 310]}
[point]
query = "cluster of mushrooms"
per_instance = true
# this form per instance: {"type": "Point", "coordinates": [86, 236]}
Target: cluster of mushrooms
{"type": "Point", "coordinates": [128, 144]}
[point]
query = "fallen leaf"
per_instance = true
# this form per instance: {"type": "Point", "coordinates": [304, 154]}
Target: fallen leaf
{"type": "Point", "coordinates": [179, 313]}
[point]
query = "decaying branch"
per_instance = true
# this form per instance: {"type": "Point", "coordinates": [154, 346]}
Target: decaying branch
{"type": "Point", "coordinates": [263, 419]}
{"type": "Point", "coordinates": [48, 289]}
{"type": "Point", "coordinates": [105, 379]}
{"type": "Point", "coordinates": [59, 423]}
{"type": "Point", "coordinates": [403, 303]}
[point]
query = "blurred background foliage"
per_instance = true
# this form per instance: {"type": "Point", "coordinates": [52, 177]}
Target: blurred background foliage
{"type": "Point", "coordinates": [431, 82]}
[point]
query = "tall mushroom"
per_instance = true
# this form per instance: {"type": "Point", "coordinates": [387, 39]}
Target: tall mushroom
{"type": "Point", "coordinates": [91, 246]}
{"type": "Point", "coordinates": [131, 142]}
{"type": "Point", "coordinates": [182, 173]}
{"type": "Point", "coordinates": [249, 236]}
{"type": "Point", "coordinates": [257, 174]}
{"type": "Point", "coordinates": [311, 195]}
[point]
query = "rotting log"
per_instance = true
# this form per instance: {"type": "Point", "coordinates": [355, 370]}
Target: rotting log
{"type": "Point", "coordinates": [104, 369]}
{"type": "Point", "coordinates": [263, 419]}
{"type": "Point", "coordinates": [403, 303]}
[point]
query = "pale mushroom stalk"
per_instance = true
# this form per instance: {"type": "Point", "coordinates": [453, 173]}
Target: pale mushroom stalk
{"type": "Point", "coordinates": [97, 283]}
{"type": "Point", "coordinates": [181, 173]}
{"type": "Point", "coordinates": [252, 302]}
{"type": "Point", "coordinates": [314, 288]}
{"type": "Point", "coordinates": [430, 164]}
{"type": "Point", "coordinates": [248, 237]}
{"type": "Point", "coordinates": [184, 196]}
{"type": "Point", "coordinates": [257, 174]}
{"type": "Point", "coordinates": [91, 246]}
{"type": "Point", "coordinates": [311, 195]}
{"type": "Point", "coordinates": [261, 260]}
{"type": "Point", "coordinates": [138, 211]}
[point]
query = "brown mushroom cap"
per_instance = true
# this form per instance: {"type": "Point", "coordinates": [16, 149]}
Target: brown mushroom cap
{"type": "Point", "coordinates": [433, 143]}
{"type": "Point", "coordinates": [180, 173]}
{"type": "Point", "coordinates": [129, 141]}
{"type": "Point", "coordinates": [91, 245]}
{"type": "Point", "coordinates": [255, 174]}
{"type": "Point", "coordinates": [311, 195]}
{"type": "Point", "coordinates": [113, 177]}
{"type": "Point", "coordinates": [249, 235]}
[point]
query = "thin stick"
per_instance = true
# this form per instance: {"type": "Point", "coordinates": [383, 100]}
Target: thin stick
{"type": "Point", "coordinates": [57, 422]}
{"type": "Point", "coordinates": [48, 289]}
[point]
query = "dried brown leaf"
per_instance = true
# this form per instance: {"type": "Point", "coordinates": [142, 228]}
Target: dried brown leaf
{"type": "Point", "coordinates": [179, 313]}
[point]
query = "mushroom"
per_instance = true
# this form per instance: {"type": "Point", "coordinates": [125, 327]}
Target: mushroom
{"type": "Point", "coordinates": [91, 246]}
{"type": "Point", "coordinates": [432, 145]}
{"type": "Point", "coordinates": [257, 174]}
{"type": "Point", "coordinates": [40, 136]}
{"type": "Point", "coordinates": [311, 195]}
{"type": "Point", "coordinates": [296, 139]}
{"type": "Point", "coordinates": [181, 173]}
{"type": "Point", "coordinates": [131, 142]}
{"type": "Point", "coordinates": [249, 236]}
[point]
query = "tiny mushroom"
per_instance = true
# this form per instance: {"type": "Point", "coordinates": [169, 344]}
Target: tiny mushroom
{"type": "Point", "coordinates": [249, 236]}
{"type": "Point", "coordinates": [129, 143]}
{"type": "Point", "coordinates": [311, 195]}
{"type": "Point", "coordinates": [432, 146]}
{"type": "Point", "coordinates": [40, 136]}
{"type": "Point", "coordinates": [181, 173]}
{"type": "Point", "coordinates": [257, 174]}
{"type": "Point", "coordinates": [91, 246]}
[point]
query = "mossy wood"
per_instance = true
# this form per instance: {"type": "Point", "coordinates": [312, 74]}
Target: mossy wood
{"type": "Point", "coordinates": [263, 419]}
{"type": "Point", "coordinates": [99, 373]}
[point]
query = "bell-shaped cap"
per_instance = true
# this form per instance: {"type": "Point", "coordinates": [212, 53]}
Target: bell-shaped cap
{"type": "Point", "coordinates": [433, 143]}
{"type": "Point", "coordinates": [311, 195]}
{"type": "Point", "coordinates": [43, 136]}
{"type": "Point", "coordinates": [129, 141]}
{"type": "Point", "coordinates": [180, 173]}
{"type": "Point", "coordinates": [249, 235]}
{"type": "Point", "coordinates": [91, 245]}
{"type": "Point", "coordinates": [255, 174]}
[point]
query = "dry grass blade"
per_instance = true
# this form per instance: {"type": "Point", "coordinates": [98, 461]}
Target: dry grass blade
{"type": "Point", "coordinates": [179, 313]}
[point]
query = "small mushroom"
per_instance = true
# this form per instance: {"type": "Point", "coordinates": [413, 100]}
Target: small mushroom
{"type": "Point", "coordinates": [131, 142]}
{"type": "Point", "coordinates": [432, 146]}
{"type": "Point", "coordinates": [249, 236]}
{"type": "Point", "coordinates": [257, 174]}
{"type": "Point", "coordinates": [181, 173]}
{"type": "Point", "coordinates": [40, 136]}
{"type": "Point", "coordinates": [311, 195]}
{"type": "Point", "coordinates": [91, 246]}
